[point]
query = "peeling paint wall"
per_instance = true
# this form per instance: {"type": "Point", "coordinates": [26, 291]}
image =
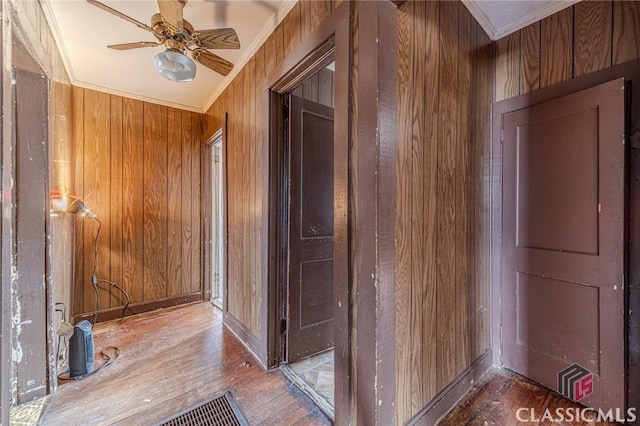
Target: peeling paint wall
{"type": "Point", "coordinates": [29, 45]}
{"type": "Point", "coordinates": [29, 298]}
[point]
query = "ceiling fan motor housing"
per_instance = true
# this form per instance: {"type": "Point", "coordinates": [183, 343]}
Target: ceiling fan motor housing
{"type": "Point", "coordinates": [179, 38]}
{"type": "Point", "coordinates": [162, 29]}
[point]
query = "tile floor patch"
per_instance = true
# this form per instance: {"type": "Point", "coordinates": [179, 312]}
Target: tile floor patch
{"type": "Point", "coordinates": [317, 371]}
{"type": "Point", "coordinates": [27, 414]}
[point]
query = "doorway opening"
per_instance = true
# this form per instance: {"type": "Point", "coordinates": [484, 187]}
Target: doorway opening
{"type": "Point", "coordinates": [217, 220]}
{"type": "Point", "coordinates": [311, 216]}
{"type": "Point", "coordinates": [308, 225]}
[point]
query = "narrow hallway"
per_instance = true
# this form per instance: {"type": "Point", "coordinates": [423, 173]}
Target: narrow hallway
{"type": "Point", "coordinates": [170, 361]}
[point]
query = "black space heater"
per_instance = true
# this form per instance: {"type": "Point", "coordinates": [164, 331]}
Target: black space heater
{"type": "Point", "coordinates": [81, 350]}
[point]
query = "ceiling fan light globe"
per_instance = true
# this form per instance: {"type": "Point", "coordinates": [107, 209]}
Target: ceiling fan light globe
{"type": "Point", "coordinates": [175, 66]}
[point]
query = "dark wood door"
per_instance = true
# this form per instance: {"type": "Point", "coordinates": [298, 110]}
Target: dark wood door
{"type": "Point", "coordinates": [310, 319]}
{"type": "Point", "coordinates": [563, 242]}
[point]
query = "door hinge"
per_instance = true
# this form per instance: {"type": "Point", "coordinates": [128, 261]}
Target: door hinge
{"type": "Point", "coordinates": [283, 325]}
{"type": "Point", "coordinates": [216, 158]}
{"type": "Point", "coordinates": [501, 135]}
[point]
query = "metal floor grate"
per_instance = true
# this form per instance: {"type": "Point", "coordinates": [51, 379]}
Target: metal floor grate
{"type": "Point", "coordinates": [220, 411]}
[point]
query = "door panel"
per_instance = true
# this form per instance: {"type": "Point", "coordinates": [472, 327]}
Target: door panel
{"type": "Point", "coordinates": [563, 240]}
{"type": "Point", "coordinates": [310, 319]}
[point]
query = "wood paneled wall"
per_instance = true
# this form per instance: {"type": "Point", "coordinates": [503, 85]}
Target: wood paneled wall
{"type": "Point", "coordinates": [247, 165]}
{"type": "Point", "coordinates": [442, 230]}
{"type": "Point", "coordinates": [137, 167]}
{"type": "Point", "coordinates": [318, 88]}
{"type": "Point", "coordinates": [587, 37]}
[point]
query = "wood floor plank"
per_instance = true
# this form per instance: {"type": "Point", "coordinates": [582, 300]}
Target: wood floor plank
{"type": "Point", "coordinates": [173, 360]}
{"type": "Point", "coordinates": [500, 394]}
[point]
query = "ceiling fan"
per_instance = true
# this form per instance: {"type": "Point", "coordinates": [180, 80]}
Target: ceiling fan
{"type": "Point", "coordinates": [178, 36]}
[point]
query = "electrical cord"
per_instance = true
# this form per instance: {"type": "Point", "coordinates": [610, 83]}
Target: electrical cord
{"type": "Point", "coordinates": [63, 311]}
{"type": "Point", "coordinates": [110, 359]}
{"type": "Point", "coordinates": [126, 295]}
{"type": "Point", "coordinates": [94, 283]}
{"type": "Point", "coordinates": [95, 280]}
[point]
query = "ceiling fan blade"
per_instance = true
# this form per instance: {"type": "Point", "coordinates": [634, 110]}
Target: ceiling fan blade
{"type": "Point", "coordinates": [120, 15]}
{"type": "Point", "coordinates": [212, 61]}
{"type": "Point", "coordinates": [221, 38]}
{"type": "Point", "coordinates": [135, 45]}
{"type": "Point", "coordinates": [171, 11]}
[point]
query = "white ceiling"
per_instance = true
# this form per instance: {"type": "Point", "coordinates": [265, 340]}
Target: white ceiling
{"type": "Point", "coordinates": [502, 17]}
{"type": "Point", "coordinates": [83, 31]}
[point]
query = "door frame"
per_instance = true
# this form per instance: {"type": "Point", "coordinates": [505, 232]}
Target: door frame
{"type": "Point", "coordinates": [207, 219]}
{"type": "Point", "coordinates": [330, 39]}
{"type": "Point", "coordinates": [218, 218]}
{"type": "Point", "coordinates": [631, 72]}
{"type": "Point", "coordinates": [365, 170]}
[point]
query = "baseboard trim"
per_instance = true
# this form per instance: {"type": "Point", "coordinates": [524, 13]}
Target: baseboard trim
{"type": "Point", "coordinates": [449, 397]}
{"type": "Point", "coordinates": [245, 337]}
{"type": "Point", "coordinates": [138, 308]}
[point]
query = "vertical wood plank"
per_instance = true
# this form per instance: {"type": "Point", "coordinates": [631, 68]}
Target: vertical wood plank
{"type": "Point", "coordinates": [592, 38]}
{"type": "Point", "coordinates": [155, 201]}
{"type": "Point", "coordinates": [97, 174]}
{"type": "Point", "coordinates": [188, 228]}
{"type": "Point", "coordinates": [174, 202]}
{"type": "Point", "coordinates": [354, 104]}
{"type": "Point", "coordinates": [298, 92]}
{"type": "Point", "coordinates": [254, 240]}
{"type": "Point", "coordinates": [270, 56]}
{"type": "Point", "coordinates": [530, 58]}
{"type": "Point", "coordinates": [251, 294]}
{"type": "Point", "coordinates": [236, 235]}
{"type": "Point", "coordinates": [483, 196]}
{"type": "Point", "coordinates": [260, 183]}
{"type": "Point", "coordinates": [291, 24]}
{"type": "Point", "coordinates": [196, 247]}
{"type": "Point", "coordinates": [279, 32]}
{"type": "Point", "coordinates": [556, 49]}
{"type": "Point", "coordinates": [241, 286]}
{"type": "Point", "coordinates": [115, 204]}
{"type": "Point", "coordinates": [310, 88]}
{"type": "Point", "coordinates": [446, 217]}
{"type": "Point", "coordinates": [626, 31]}
{"type": "Point", "coordinates": [429, 336]}
{"type": "Point", "coordinates": [233, 285]}
{"type": "Point", "coordinates": [235, 208]}
{"type": "Point", "coordinates": [133, 198]}
{"type": "Point", "coordinates": [416, 195]}
{"type": "Point", "coordinates": [325, 87]}
{"type": "Point", "coordinates": [312, 13]}
{"type": "Point", "coordinates": [403, 217]}
{"type": "Point", "coordinates": [463, 142]}
{"type": "Point", "coordinates": [508, 66]}
{"type": "Point", "coordinates": [78, 135]}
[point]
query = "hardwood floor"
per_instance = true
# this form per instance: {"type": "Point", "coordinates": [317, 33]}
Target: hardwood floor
{"type": "Point", "coordinates": [171, 361]}
{"type": "Point", "coordinates": [496, 400]}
